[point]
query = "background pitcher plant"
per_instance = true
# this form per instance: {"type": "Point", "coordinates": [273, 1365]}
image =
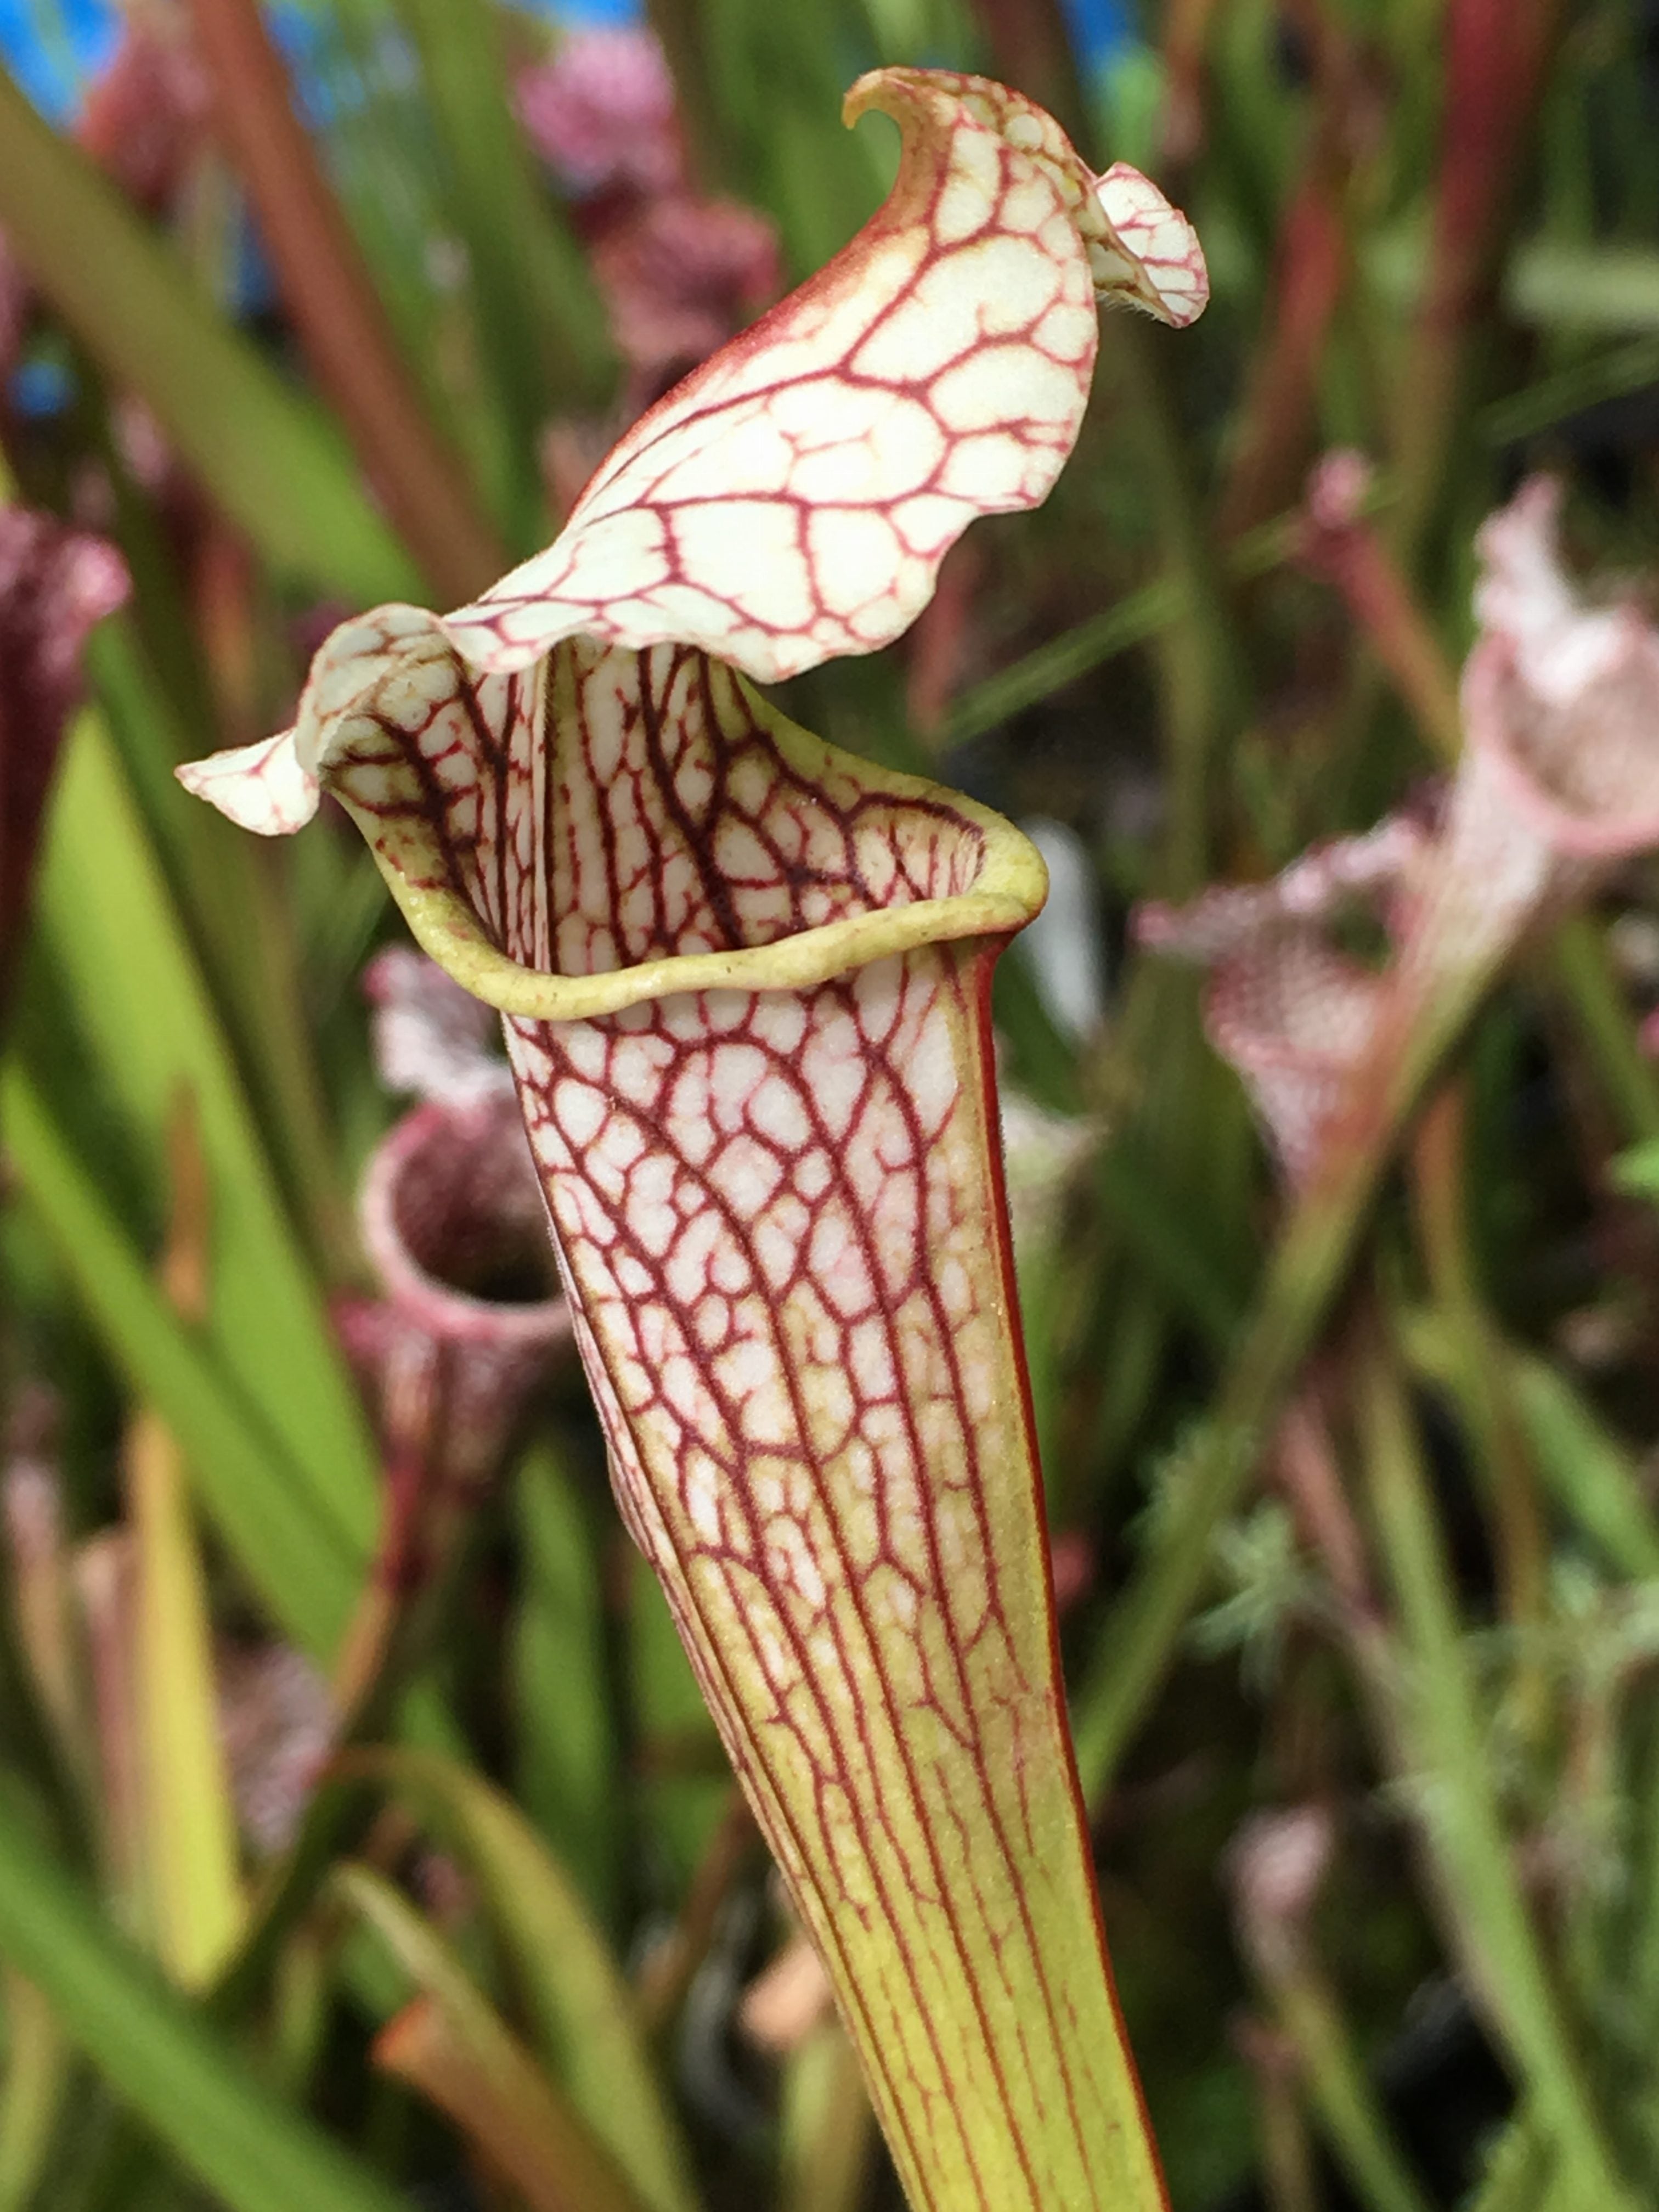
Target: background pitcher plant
{"type": "Point", "coordinates": [746, 979]}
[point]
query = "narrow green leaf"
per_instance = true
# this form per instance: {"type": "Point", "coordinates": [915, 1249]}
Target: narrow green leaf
{"type": "Point", "coordinates": [176, 2070]}
{"type": "Point", "coordinates": [1446, 1743]}
{"type": "Point", "coordinates": [36, 2078]}
{"type": "Point", "coordinates": [541, 323]}
{"type": "Point", "coordinates": [1520, 2170]}
{"type": "Point", "coordinates": [1555, 283]}
{"type": "Point", "coordinates": [1636, 1171]}
{"type": "Point", "coordinates": [775, 79]}
{"type": "Point", "coordinates": [188, 1849]}
{"type": "Point", "coordinates": [1576, 286]}
{"type": "Point", "coordinates": [1588, 1471]}
{"type": "Point", "coordinates": [190, 1822]}
{"type": "Point", "coordinates": [140, 998]}
{"type": "Point", "coordinates": [302, 1567]}
{"type": "Point", "coordinates": [567, 1747]}
{"type": "Point", "coordinates": [235, 905]}
{"type": "Point", "coordinates": [515, 2114]}
{"type": "Point", "coordinates": [684, 1786]}
{"type": "Point", "coordinates": [827, 2127]}
{"type": "Point", "coordinates": [582, 2008]}
{"type": "Point", "coordinates": [278, 468]}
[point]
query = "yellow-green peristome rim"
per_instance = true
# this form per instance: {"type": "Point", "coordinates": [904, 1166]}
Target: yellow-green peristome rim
{"type": "Point", "coordinates": [1009, 889]}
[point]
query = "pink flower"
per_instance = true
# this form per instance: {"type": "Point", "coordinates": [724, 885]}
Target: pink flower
{"type": "Point", "coordinates": [1557, 782]}
{"type": "Point", "coordinates": [1561, 700]}
{"type": "Point", "coordinates": [1292, 1014]}
{"type": "Point", "coordinates": [55, 585]}
{"type": "Point", "coordinates": [146, 119]}
{"type": "Point", "coordinates": [679, 275]}
{"type": "Point", "coordinates": [601, 113]}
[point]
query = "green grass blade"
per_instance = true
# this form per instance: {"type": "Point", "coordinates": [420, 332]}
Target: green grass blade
{"type": "Point", "coordinates": [190, 1849]}
{"type": "Point", "coordinates": [766, 84]}
{"type": "Point", "coordinates": [37, 2076]}
{"type": "Point", "coordinates": [236, 905]}
{"type": "Point", "coordinates": [278, 468]}
{"type": "Point", "coordinates": [1589, 1472]}
{"type": "Point", "coordinates": [566, 1737]}
{"type": "Point", "coordinates": [581, 2005]}
{"type": "Point", "coordinates": [176, 2070]}
{"type": "Point", "coordinates": [541, 323]}
{"type": "Point", "coordinates": [515, 2111]}
{"type": "Point", "coordinates": [302, 1569]}
{"type": "Point", "coordinates": [117, 939]}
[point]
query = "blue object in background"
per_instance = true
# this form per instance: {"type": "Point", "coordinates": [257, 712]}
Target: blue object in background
{"type": "Point", "coordinates": [40, 387]}
{"type": "Point", "coordinates": [52, 47]}
{"type": "Point", "coordinates": [582, 11]}
{"type": "Point", "coordinates": [1101, 29]}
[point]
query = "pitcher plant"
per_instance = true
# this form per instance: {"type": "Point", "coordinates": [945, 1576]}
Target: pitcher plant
{"type": "Point", "coordinates": [746, 980]}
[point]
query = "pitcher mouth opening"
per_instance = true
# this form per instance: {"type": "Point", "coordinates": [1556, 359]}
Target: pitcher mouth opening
{"type": "Point", "coordinates": [449, 931]}
{"type": "Point", "coordinates": [452, 1219]}
{"type": "Point", "coordinates": [560, 932]}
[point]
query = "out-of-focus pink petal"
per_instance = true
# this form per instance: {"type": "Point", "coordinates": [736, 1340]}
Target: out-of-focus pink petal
{"type": "Point", "coordinates": [1291, 1013]}
{"type": "Point", "coordinates": [55, 586]}
{"type": "Point", "coordinates": [430, 1038]}
{"type": "Point", "coordinates": [146, 119]}
{"type": "Point", "coordinates": [1377, 867]}
{"type": "Point", "coordinates": [1562, 700]}
{"type": "Point", "coordinates": [1522, 593]}
{"type": "Point", "coordinates": [276, 1724]}
{"type": "Point", "coordinates": [601, 113]}
{"type": "Point", "coordinates": [1339, 484]}
{"type": "Point", "coordinates": [1296, 1019]}
{"type": "Point", "coordinates": [1582, 770]}
{"type": "Point", "coordinates": [680, 274]}
{"type": "Point", "coordinates": [1277, 1865]}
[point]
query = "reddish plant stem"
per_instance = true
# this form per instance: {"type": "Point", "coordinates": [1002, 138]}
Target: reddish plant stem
{"type": "Point", "coordinates": [1278, 409]}
{"type": "Point", "coordinates": [328, 289]}
{"type": "Point", "coordinates": [1498, 60]}
{"type": "Point", "coordinates": [1278, 419]}
{"type": "Point", "coordinates": [1186, 35]}
{"type": "Point", "coordinates": [1305, 1467]}
{"type": "Point", "coordinates": [1346, 550]}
